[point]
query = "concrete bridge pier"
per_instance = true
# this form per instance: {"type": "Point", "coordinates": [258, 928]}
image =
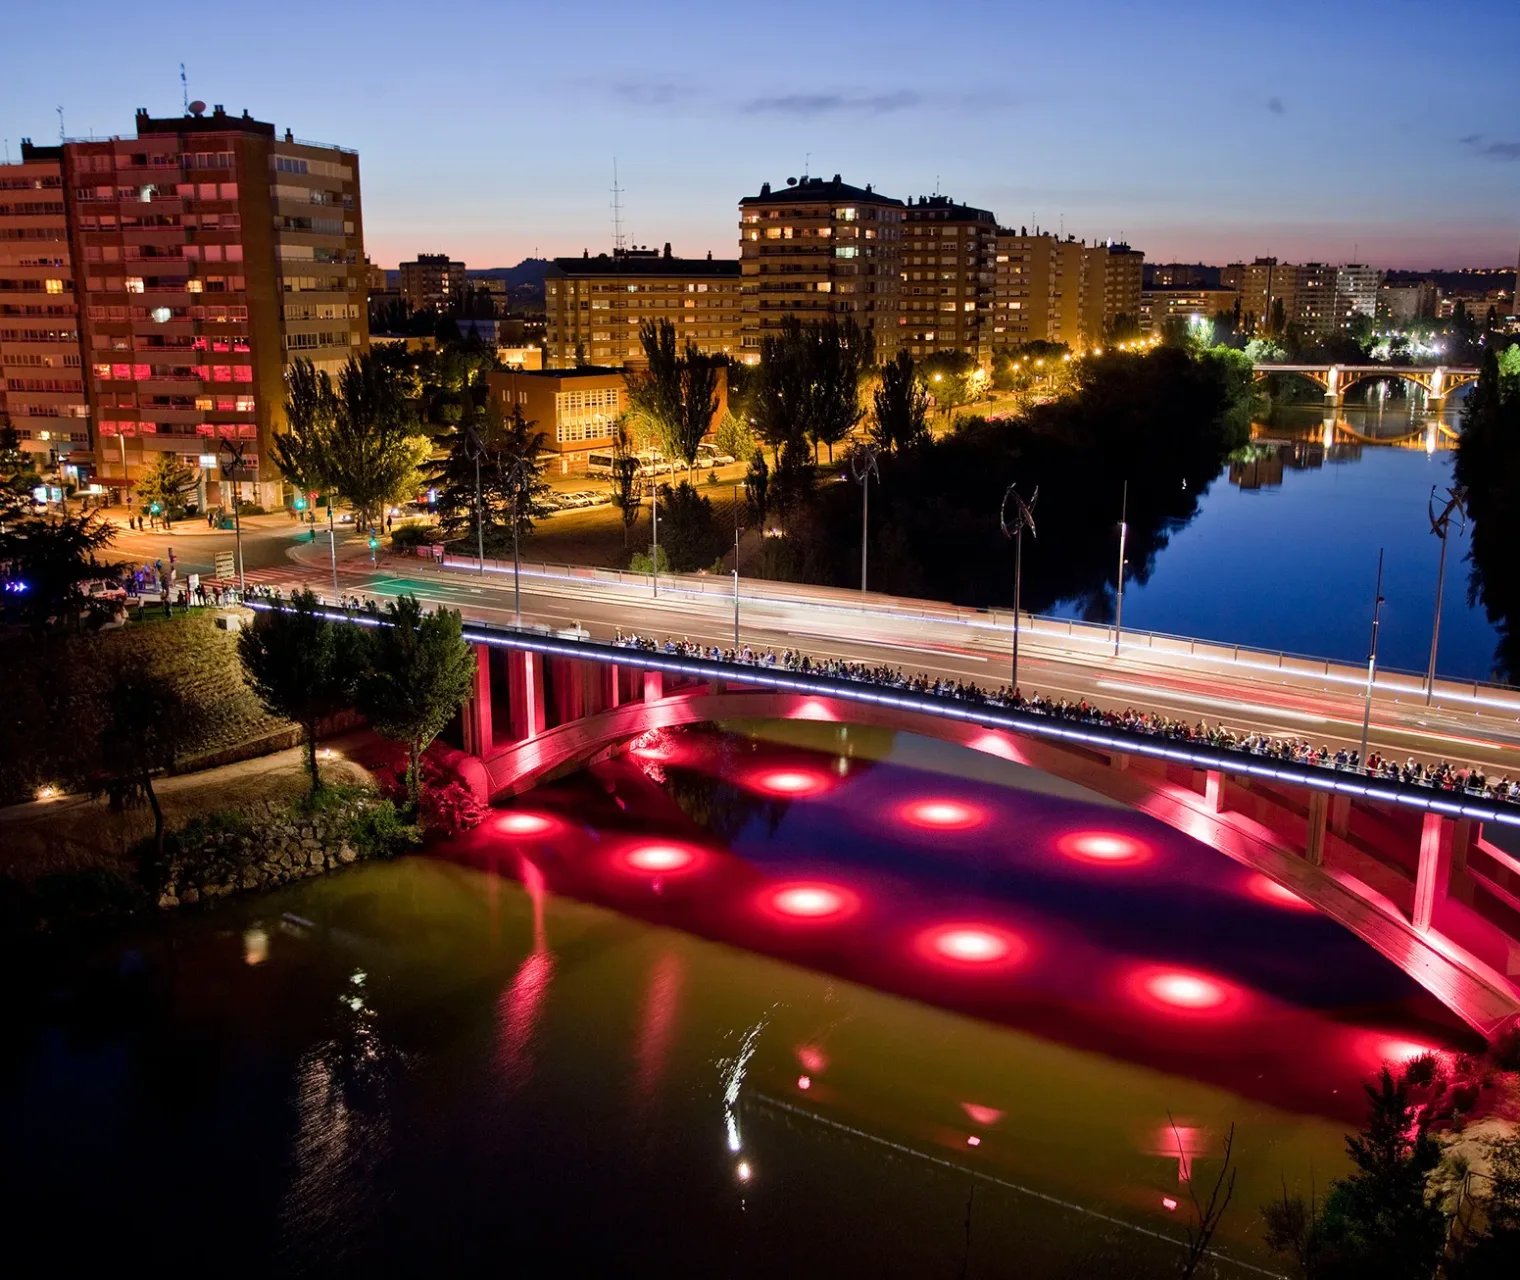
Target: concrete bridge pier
{"type": "Point", "coordinates": [1334, 395]}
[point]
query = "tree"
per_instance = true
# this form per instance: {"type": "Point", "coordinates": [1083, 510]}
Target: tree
{"type": "Point", "coordinates": [627, 486]}
{"type": "Point", "coordinates": [18, 474]}
{"type": "Point", "coordinates": [840, 352]}
{"type": "Point", "coordinates": [677, 393]}
{"type": "Point", "coordinates": [699, 404]}
{"type": "Point", "coordinates": [1207, 1214]}
{"type": "Point", "coordinates": [422, 671]}
{"type": "Point", "coordinates": [300, 451]}
{"type": "Point", "coordinates": [372, 451]}
{"type": "Point", "coordinates": [782, 395]}
{"type": "Point", "coordinates": [757, 486]}
{"type": "Point", "coordinates": [689, 530]}
{"type": "Point", "coordinates": [147, 723]}
{"type": "Point", "coordinates": [166, 483]}
{"type": "Point", "coordinates": [946, 375]}
{"type": "Point", "coordinates": [53, 557]}
{"type": "Point", "coordinates": [517, 456]}
{"type": "Point", "coordinates": [900, 407]}
{"type": "Point", "coordinates": [733, 435]}
{"type": "Point", "coordinates": [504, 454]}
{"type": "Point", "coordinates": [1494, 1253]}
{"type": "Point", "coordinates": [303, 666]}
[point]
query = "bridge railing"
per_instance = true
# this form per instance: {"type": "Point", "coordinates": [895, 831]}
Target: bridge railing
{"type": "Point", "coordinates": [1085, 637]}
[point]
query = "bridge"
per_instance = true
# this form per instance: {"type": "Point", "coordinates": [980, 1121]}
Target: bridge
{"type": "Point", "coordinates": [1427, 878]}
{"type": "Point", "coordinates": [1334, 379]}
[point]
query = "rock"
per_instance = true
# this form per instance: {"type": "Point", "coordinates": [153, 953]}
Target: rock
{"type": "Point", "coordinates": [190, 897]}
{"type": "Point", "coordinates": [346, 855]}
{"type": "Point", "coordinates": [315, 857]}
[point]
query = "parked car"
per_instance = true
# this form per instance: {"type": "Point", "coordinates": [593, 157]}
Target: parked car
{"type": "Point", "coordinates": [709, 455]}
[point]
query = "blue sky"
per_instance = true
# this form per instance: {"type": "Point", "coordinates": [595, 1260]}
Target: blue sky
{"type": "Point", "coordinates": [1384, 129]}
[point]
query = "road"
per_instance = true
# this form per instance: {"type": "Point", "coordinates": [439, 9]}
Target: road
{"type": "Point", "coordinates": [1323, 705]}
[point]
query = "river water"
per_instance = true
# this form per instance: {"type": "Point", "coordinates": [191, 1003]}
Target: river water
{"type": "Point", "coordinates": [759, 1000]}
{"type": "Point", "coordinates": [1283, 552]}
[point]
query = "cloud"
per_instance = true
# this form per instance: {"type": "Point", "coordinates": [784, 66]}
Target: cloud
{"type": "Point", "coordinates": [1275, 106]}
{"type": "Point", "coordinates": [822, 104]}
{"type": "Point", "coordinates": [1491, 150]}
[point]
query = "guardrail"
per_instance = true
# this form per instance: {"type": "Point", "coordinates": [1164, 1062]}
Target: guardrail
{"type": "Point", "coordinates": [1087, 638]}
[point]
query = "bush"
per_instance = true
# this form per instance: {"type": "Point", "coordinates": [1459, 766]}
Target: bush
{"type": "Point", "coordinates": [381, 832]}
{"type": "Point", "coordinates": [451, 808]}
{"type": "Point", "coordinates": [1506, 1048]}
{"type": "Point", "coordinates": [251, 509]}
{"type": "Point", "coordinates": [690, 530]}
{"type": "Point", "coordinates": [639, 562]}
{"type": "Point", "coordinates": [408, 537]}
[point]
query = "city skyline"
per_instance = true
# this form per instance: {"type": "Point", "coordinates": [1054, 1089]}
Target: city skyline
{"type": "Point", "coordinates": [1188, 133]}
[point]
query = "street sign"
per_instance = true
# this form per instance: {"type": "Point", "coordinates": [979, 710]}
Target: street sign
{"type": "Point", "coordinates": [226, 565]}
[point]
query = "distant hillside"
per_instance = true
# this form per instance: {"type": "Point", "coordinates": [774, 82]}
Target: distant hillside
{"type": "Point", "coordinates": [525, 282]}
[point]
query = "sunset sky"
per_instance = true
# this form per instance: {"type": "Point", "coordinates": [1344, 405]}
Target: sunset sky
{"type": "Point", "coordinates": [1375, 130]}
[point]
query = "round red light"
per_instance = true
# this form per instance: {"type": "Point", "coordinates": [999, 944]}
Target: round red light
{"type": "Point", "coordinates": [972, 945]}
{"type": "Point", "coordinates": [943, 815]}
{"type": "Point", "coordinates": [789, 782]}
{"type": "Point", "coordinates": [524, 824]}
{"type": "Point", "coordinates": [811, 901]}
{"type": "Point", "coordinates": [1184, 992]}
{"type": "Point", "coordinates": [1104, 848]}
{"type": "Point", "coordinates": [660, 859]}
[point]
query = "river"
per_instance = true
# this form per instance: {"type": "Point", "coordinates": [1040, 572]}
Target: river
{"type": "Point", "coordinates": [1300, 522]}
{"type": "Point", "coordinates": [801, 999]}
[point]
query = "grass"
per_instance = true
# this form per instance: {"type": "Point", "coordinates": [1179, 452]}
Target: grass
{"type": "Point", "coordinates": [594, 535]}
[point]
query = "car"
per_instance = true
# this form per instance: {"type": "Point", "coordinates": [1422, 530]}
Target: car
{"type": "Point", "coordinates": [103, 592]}
{"type": "Point", "coordinates": [709, 455]}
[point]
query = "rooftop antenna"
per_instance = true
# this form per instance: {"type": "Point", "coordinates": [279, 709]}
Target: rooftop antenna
{"type": "Point", "coordinates": [7, 151]}
{"type": "Point", "coordinates": [936, 184]}
{"type": "Point", "coordinates": [617, 210]}
{"type": "Point", "coordinates": [184, 89]}
{"type": "Point", "coordinates": [60, 124]}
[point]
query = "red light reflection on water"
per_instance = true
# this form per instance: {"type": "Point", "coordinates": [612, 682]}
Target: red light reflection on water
{"type": "Point", "coordinates": [810, 900]}
{"type": "Point", "coordinates": [943, 815]}
{"type": "Point", "coordinates": [1104, 848]}
{"type": "Point", "coordinates": [1374, 1049]}
{"type": "Point", "coordinates": [660, 858]}
{"type": "Point", "coordinates": [981, 1115]}
{"type": "Point", "coordinates": [789, 782]}
{"type": "Point", "coordinates": [1266, 889]}
{"type": "Point", "coordinates": [1184, 992]}
{"type": "Point", "coordinates": [519, 822]}
{"type": "Point", "coordinates": [972, 946]}
{"type": "Point", "coordinates": [812, 1058]}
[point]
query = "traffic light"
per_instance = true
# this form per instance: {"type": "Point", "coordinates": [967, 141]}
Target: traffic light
{"type": "Point", "coordinates": [300, 503]}
{"type": "Point", "coordinates": [155, 510]}
{"type": "Point", "coordinates": [373, 542]}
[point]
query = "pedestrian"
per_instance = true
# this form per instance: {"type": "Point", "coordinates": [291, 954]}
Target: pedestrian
{"type": "Point", "coordinates": [200, 593]}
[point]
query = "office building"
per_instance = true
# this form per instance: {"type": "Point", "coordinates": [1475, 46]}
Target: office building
{"type": "Point", "coordinates": [211, 254]}
{"type": "Point", "coordinates": [949, 261]}
{"type": "Point", "coordinates": [596, 306]}
{"type": "Point", "coordinates": [575, 409]}
{"type": "Point", "coordinates": [814, 249]}
{"type": "Point", "coordinates": [432, 281]}
{"type": "Point", "coordinates": [42, 390]}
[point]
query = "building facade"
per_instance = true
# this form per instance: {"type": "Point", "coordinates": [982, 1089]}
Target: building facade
{"type": "Point", "coordinates": [42, 391]}
{"type": "Point", "coordinates": [949, 263]}
{"type": "Point", "coordinates": [576, 410]}
{"type": "Point", "coordinates": [433, 281]}
{"type": "Point", "coordinates": [596, 306]}
{"type": "Point", "coordinates": [1406, 303]}
{"type": "Point", "coordinates": [1039, 289]}
{"type": "Point", "coordinates": [1111, 293]}
{"type": "Point", "coordinates": [815, 249]}
{"type": "Point", "coordinates": [1158, 305]}
{"type": "Point", "coordinates": [1318, 298]}
{"type": "Point", "coordinates": [212, 254]}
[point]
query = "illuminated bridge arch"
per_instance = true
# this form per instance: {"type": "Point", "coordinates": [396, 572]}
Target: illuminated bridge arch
{"type": "Point", "coordinates": [1334, 379]}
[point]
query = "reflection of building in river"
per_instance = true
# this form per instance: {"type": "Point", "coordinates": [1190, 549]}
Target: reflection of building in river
{"type": "Point", "coordinates": [1271, 452]}
{"type": "Point", "coordinates": [1261, 470]}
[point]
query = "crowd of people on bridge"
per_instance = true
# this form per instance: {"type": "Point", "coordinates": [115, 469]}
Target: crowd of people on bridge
{"type": "Point", "coordinates": [1442, 776]}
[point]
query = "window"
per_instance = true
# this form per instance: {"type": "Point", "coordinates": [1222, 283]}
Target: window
{"type": "Point", "coordinates": [54, 286]}
{"type": "Point", "coordinates": [846, 251]}
{"type": "Point", "coordinates": [244, 404]}
{"type": "Point", "coordinates": [134, 284]}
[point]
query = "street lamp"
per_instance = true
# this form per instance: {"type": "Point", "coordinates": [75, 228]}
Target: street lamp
{"type": "Point", "coordinates": [1377, 608]}
{"type": "Point", "coordinates": [1440, 525]}
{"type": "Point", "coordinates": [745, 483]}
{"type": "Point", "coordinates": [516, 473]}
{"type": "Point", "coordinates": [1023, 517]}
{"type": "Point", "coordinates": [476, 450]}
{"type": "Point", "coordinates": [863, 467]}
{"type": "Point", "coordinates": [230, 470]}
{"type": "Point", "coordinates": [1123, 535]}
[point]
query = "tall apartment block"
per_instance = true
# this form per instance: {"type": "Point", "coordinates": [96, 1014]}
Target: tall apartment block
{"type": "Point", "coordinates": [949, 259]}
{"type": "Point", "coordinates": [1318, 298]}
{"type": "Point", "coordinates": [211, 254]}
{"type": "Point", "coordinates": [433, 281]}
{"type": "Point", "coordinates": [596, 305]}
{"type": "Point", "coordinates": [1039, 292]}
{"type": "Point", "coordinates": [1114, 276]}
{"type": "Point", "coordinates": [41, 379]}
{"type": "Point", "coordinates": [817, 248]}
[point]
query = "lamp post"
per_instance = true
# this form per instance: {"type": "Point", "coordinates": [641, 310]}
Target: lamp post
{"type": "Point", "coordinates": [230, 469]}
{"type": "Point", "coordinates": [863, 467]}
{"type": "Point", "coordinates": [475, 450]}
{"type": "Point", "coordinates": [736, 567]}
{"type": "Point", "coordinates": [1377, 607]}
{"type": "Point", "coordinates": [1123, 534]}
{"type": "Point", "coordinates": [1440, 525]}
{"type": "Point", "coordinates": [654, 554]}
{"type": "Point", "coordinates": [1023, 517]}
{"type": "Point", "coordinates": [515, 472]}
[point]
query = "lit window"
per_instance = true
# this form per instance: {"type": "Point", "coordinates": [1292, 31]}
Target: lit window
{"type": "Point", "coordinates": [134, 284]}
{"type": "Point", "coordinates": [54, 286]}
{"type": "Point", "coordinates": [245, 404]}
{"type": "Point", "coordinates": [193, 285]}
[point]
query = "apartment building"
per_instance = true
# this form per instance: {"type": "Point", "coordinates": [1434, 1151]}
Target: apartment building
{"type": "Point", "coordinates": [212, 254]}
{"type": "Point", "coordinates": [433, 281]}
{"type": "Point", "coordinates": [817, 248]}
{"type": "Point", "coordinates": [949, 261]}
{"type": "Point", "coordinates": [595, 306]}
{"type": "Point", "coordinates": [575, 409]}
{"type": "Point", "coordinates": [1158, 305]}
{"type": "Point", "coordinates": [1114, 275]}
{"type": "Point", "coordinates": [1039, 289]}
{"type": "Point", "coordinates": [1404, 303]}
{"type": "Point", "coordinates": [1318, 298]}
{"type": "Point", "coordinates": [42, 390]}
